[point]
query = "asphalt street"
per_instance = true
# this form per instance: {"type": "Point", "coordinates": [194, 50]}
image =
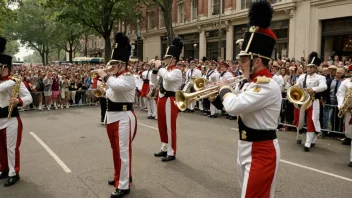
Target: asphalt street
{"type": "Point", "coordinates": [205, 165]}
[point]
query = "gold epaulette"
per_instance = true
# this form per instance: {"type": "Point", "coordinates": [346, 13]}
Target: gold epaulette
{"type": "Point", "coordinates": [262, 80]}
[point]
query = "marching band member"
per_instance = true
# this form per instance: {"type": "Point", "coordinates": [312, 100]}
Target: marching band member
{"type": "Point", "coordinates": [170, 79]}
{"type": "Point", "coordinates": [213, 77]}
{"type": "Point", "coordinates": [120, 119]}
{"type": "Point", "coordinates": [226, 75]}
{"type": "Point", "coordinates": [102, 99]}
{"type": "Point", "coordinates": [344, 88]}
{"type": "Point", "coordinates": [10, 128]}
{"type": "Point", "coordinates": [258, 107]}
{"type": "Point", "coordinates": [314, 84]}
{"type": "Point", "coordinates": [151, 103]}
{"type": "Point", "coordinates": [192, 73]}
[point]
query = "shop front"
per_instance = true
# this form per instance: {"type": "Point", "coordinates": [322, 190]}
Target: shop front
{"type": "Point", "coordinates": [337, 37]}
{"type": "Point", "coordinates": [213, 51]}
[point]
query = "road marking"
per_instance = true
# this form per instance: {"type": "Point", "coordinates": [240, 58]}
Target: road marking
{"type": "Point", "coordinates": [316, 170]}
{"type": "Point", "coordinates": [310, 168]}
{"type": "Point", "coordinates": [148, 126]}
{"type": "Point", "coordinates": [57, 159]}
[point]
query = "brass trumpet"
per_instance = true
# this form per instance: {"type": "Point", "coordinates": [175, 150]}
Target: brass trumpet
{"type": "Point", "coordinates": [183, 99]}
{"type": "Point", "coordinates": [96, 71]}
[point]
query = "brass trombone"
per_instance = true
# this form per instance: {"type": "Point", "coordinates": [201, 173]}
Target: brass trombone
{"type": "Point", "coordinates": [211, 92]}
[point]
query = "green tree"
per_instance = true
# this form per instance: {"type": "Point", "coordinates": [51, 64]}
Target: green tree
{"type": "Point", "coordinates": [34, 28]}
{"type": "Point", "coordinates": [166, 7]}
{"type": "Point", "coordinates": [100, 15]}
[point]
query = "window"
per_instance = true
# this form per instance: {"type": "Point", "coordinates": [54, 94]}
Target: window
{"type": "Point", "coordinates": [245, 4]}
{"type": "Point", "coordinates": [194, 9]}
{"type": "Point", "coordinates": [161, 19]}
{"type": "Point", "coordinates": [181, 13]}
{"type": "Point", "coordinates": [215, 6]}
{"type": "Point", "coordinates": [150, 20]}
{"type": "Point", "coordinates": [275, 1]}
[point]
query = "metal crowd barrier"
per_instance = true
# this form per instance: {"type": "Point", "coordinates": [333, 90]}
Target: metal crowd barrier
{"type": "Point", "coordinates": [74, 104]}
{"type": "Point", "coordinates": [329, 121]}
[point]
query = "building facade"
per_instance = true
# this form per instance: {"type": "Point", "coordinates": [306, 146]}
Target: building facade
{"type": "Point", "coordinates": [301, 26]}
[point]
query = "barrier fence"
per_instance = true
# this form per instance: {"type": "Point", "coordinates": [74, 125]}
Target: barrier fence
{"type": "Point", "coordinates": [75, 98]}
{"type": "Point", "coordinates": [329, 121]}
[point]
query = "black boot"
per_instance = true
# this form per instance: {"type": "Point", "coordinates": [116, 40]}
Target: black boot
{"type": "Point", "coordinates": [312, 145]}
{"type": "Point", "coordinates": [346, 141]}
{"type": "Point", "coordinates": [119, 193]}
{"type": "Point", "coordinates": [4, 175]}
{"type": "Point", "coordinates": [160, 154]}
{"type": "Point", "coordinates": [112, 182]}
{"type": "Point", "coordinates": [306, 149]}
{"type": "Point", "coordinates": [168, 158]}
{"type": "Point", "coordinates": [350, 164]}
{"type": "Point", "coordinates": [299, 142]}
{"type": "Point", "coordinates": [12, 180]}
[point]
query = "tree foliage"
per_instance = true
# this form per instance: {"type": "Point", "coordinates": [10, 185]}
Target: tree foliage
{"type": "Point", "coordinates": [166, 8]}
{"type": "Point", "coordinates": [100, 15]}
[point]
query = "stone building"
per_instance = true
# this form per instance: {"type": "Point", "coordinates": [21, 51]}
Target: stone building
{"type": "Point", "coordinates": [300, 25]}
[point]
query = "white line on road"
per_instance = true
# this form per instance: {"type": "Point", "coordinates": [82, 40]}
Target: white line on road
{"type": "Point", "coordinates": [316, 170]}
{"type": "Point", "coordinates": [148, 126]}
{"type": "Point", "coordinates": [57, 159]}
{"type": "Point", "coordinates": [285, 161]}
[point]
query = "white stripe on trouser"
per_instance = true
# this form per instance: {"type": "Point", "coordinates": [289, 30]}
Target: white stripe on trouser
{"type": "Point", "coordinates": [213, 109]}
{"type": "Point", "coordinates": [301, 122]}
{"type": "Point", "coordinates": [278, 156]}
{"type": "Point", "coordinates": [348, 130]}
{"type": "Point", "coordinates": [315, 115]}
{"type": "Point", "coordinates": [124, 141]}
{"type": "Point", "coordinates": [11, 125]}
{"type": "Point", "coordinates": [170, 151]}
{"type": "Point", "coordinates": [191, 105]}
{"type": "Point", "coordinates": [151, 105]}
{"type": "Point", "coordinates": [133, 123]}
{"type": "Point", "coordinates": [244, 162]}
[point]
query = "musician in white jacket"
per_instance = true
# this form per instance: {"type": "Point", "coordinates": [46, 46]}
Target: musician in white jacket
{"type": "Point", "coordinates": [213, 76]}
{"type": "Point", "coordinates": [150, 101]}
{"type": "Point", "coordinates": [191, 74]}
{"type": "Point", "coordinates": [345, 88]}
{"type": "Point", "coordinates": [10, 127]}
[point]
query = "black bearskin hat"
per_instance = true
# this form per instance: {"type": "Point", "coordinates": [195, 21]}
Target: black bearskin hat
{"type": "Point", "coordinates": [175, 49]}
{"type": "Point", "coordinates": [122, 51]}
{"type": "Point", "coordinates": [5, 60]}
{"type": "Point", "coordinates": [313, 59]}
{"type": "Point", "coordinates": [260, 39]}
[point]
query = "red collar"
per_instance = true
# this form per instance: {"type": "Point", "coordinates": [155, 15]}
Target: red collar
{"type": "Point", "coordinates": [3, 78]}
{"type": "Point", "coordinates": [119, 74]}
{"type": "Point", "coordinates": [172, 67]}
{"type": "Point", "coordinates": [264, 72]}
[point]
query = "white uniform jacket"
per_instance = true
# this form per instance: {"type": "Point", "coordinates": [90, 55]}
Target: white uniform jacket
{"type": "Point", "coordinates": [6, 88]}
{"type": "Point", "coordinates": [149, 77]}
{"type": "Point", "coordinates": [258, 105]}
{"type": "Point", "coordinates": [316, 81]}
{"type": "Point", "coordinates": [226, 76]}
{"type": "Point", "coordinates": [121, 90]}
{"type": "Point", "coordinates": [280, 81]}
{"type": "Point", "coordinates": [343, 89]}
{"type": "Point", "coordinates": [172, 79]}
{"type": "Point", "coordinates": [195, 74]}
{"type": "Point", "coordinates": [212, 76]}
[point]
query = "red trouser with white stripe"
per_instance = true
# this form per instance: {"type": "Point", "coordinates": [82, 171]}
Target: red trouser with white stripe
{"type": "Point", "coordinates": [167, 116]}
{"type": "Point", "coordinates": [10, 141]}
{"type": "Point", "coordinates": [121, 134]}
{"type": "Point", "coordinates": [313, 123]}
{"type": "Point", "coordinates": [257, 165]}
